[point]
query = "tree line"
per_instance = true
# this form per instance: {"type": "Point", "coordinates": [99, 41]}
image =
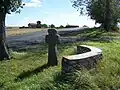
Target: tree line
{"type": "Point", "coordinates": [38, 24]}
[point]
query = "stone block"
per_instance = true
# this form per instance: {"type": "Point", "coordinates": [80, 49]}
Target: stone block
{"type": "Point", "coordinates": [86, 57]}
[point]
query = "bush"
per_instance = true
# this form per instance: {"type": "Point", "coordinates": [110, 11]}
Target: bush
{"type": "Point", "coordinates": [61, 26]}
{"type": "Point", "coordinates": [82, 80]}
{"type": "Point", "coordinates": [44, 25]}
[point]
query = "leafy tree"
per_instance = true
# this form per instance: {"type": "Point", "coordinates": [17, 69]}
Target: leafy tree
{"type": "Point", "coordinates": [6, 7]}
{"type": "Point", "coordinates": [38, 24]}
{"type": "Point", "coordinates": [105, 12]}
{"type": "Point", "coordinates": [44, 25]}
{"type": "Point", "coordinates": [52, 26]}
{"type": "Point", "coordinates": [61, 26]}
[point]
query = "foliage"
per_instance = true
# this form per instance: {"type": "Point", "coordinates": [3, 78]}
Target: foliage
{"type": "Point", "coordinates": [61, 26]}
{"type": "Point", "coordinates": [83, 80]}
{"type": "Point", "coordinates": [96, 10]}
{"type": "Point", "coordinates": [101, 12]}
{"type": "Point", "coordinates": [52, 26]}
{"type": "Point", "coordinates": [44, 25]}
{"type": "Point", "coordinates": [104, 12]}
{"type": "Point", "coordinates": [8, 6]}
{"type": "Point", "coordinates": [38, 24]}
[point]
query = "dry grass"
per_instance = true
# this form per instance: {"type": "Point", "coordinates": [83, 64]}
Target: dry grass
{"type": "Point", "coordinates": [16, 31]}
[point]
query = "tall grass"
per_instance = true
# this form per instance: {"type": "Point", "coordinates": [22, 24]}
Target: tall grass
{"type": "Point", "coordinates": [106, 75]}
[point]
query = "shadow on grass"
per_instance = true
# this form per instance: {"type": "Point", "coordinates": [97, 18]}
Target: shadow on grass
{"type": "Point", "coordinates": [29, 73]}
{"type": "Point", "coordinates": [63, 81]}
{"type": "Point", "coordinates": [97, 35]}
{"type": "Point", "coordinates": [1, 85]}
{"type": "Point", "coordinates": [61, 78]}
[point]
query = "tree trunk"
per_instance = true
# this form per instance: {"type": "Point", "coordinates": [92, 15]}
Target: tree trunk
{"type": "Point", "coordinates": [3, 49]}
{"type": "Point", "coordinates": [107, 22]}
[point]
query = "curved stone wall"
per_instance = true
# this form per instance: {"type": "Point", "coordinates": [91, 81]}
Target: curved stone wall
{"type": "Point", "coordinates": [86, 57]}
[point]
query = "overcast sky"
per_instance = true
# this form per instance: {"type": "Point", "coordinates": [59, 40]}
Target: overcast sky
{"type": "Point", "coordinates": [57, 12]}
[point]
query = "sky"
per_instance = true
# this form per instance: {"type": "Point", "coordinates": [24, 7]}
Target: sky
{"type": "Point", "coordinates": [57, 12]}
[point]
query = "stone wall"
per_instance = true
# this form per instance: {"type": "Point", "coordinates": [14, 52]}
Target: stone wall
{"type": "Point", "coordinates": [86, 57]}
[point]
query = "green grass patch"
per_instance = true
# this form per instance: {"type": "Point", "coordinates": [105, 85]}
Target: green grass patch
{"type": "Point", "coordinates": [98, 33]}
{"type": "Point", "coordinates": [105, 77]}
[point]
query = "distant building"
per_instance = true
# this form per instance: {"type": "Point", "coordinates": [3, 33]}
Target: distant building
{"type": "Point", "coordinates": [71, 26]}
{"type": "Point", "coordinates": [32, 25]}
{"type": "Point", "coordinates": [85, 26]}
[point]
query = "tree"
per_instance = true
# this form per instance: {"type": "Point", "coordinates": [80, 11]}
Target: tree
{"type": "Point", "coordinates": [61, 26]}
{"type": "Point", "coordinates": [85, 26]}
{"type": "Point", "coordinates": [52, 26]}
{"type": "Point", "coordinates": [105, 12]}
{"type": "Point", "coordinates": [6, 7]}
{"type": "Point", "coordinates": [44, 25]}
{"type": "Point", "coordinates": [38, 24]}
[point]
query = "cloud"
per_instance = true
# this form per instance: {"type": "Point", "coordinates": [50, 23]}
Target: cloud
{"type": "Point", "coordinates": [33, 3]}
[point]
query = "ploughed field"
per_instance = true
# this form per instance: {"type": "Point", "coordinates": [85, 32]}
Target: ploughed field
{"type": "Point", "coordinates": [17, 31]}
{"type": "Point", "coordinates": [37, 36]}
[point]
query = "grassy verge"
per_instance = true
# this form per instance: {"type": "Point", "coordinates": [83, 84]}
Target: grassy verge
{"type": "Point", "coordinates": [105, 77]}
{"type": "Point", "coordinates": [98, 33]}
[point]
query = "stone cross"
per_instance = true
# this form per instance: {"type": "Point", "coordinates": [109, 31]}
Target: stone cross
{"type": "Point", "coordinates": [52, 39]}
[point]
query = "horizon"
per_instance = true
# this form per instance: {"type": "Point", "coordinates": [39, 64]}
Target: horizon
{"type": "Point", "coordinates": [58, 12]}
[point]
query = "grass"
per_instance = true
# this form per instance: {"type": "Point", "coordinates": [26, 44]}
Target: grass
{"type": "Point", "coordinates": [105, 77]}
{"type": "Point", "coordinates": [97, 33]}
{"type": "Point", "coordinates": [16, 31]}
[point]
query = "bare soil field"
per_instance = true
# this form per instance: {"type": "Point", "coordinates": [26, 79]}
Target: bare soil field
{"type": "Point", "coordinates": [17, 31]}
